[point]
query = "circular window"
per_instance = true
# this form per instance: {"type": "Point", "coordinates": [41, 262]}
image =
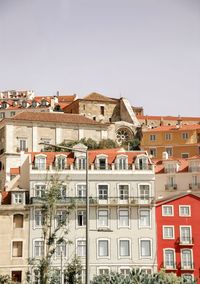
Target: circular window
{"type": "Point", "coordinates": [123, 135]}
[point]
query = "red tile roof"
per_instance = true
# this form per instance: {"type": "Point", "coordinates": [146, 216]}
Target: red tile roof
{"type": "Point", "coordinates": [14, 171]}
{"type": "Point", "coordinates": [173, 128]}
{"type": "Point", "coordinates": [54, 117]}
{"type": "Point", "coordinates": [153, 117]}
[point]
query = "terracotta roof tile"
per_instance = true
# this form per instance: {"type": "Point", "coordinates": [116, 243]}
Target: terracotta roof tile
{"type": "Point", "coordinates": [54, 117]}
{"type": "Point", "coordinates": [14, 171]}
{"type": "Point", "coordinates": [174, 128]}
{"type": "Point", "coordinates": [98, 97]}
{"type": "Point", "coordinates": [153, 117]}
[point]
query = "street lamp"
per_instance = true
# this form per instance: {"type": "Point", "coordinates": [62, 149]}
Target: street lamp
{"type": "Point", "coordinates": [87, 203]}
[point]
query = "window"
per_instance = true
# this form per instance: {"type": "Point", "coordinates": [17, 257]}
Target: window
{"type": "Point", "coordinates": [81, 218]}
{"type": "Point", "coordinates": [103, 248]}
{"type": "Point", "coordinates": [39, 218]}
{"type": "Point", "coordinates": [103, 271]}
{"type": "Point", "coordinates": [142, 163]}
{"type": "Point", "coordinates": [38, 248]}
{"type": "Point", "coordinates": [60, 163]}
{"type": "Point", "coordinates": [102, 110]}
{"type": "Point", "coordinates": [185, 235]}
{"type": "Point", "coordinates": [188, 278]}
{"type": "Point", "coordinates": [103, 191]}
{"type": "Point", "coordinates": [102, 163]}
{"type": "Point", "coordinates": [144, 193]}
{"type": "Point", "coordinates": [61, 248]}
{"type": "Point", "coordinates": [81, 190]}
{"type": "Point", "coordinates": [184, 210]}
{"type": "Point", "coordinates": [185, 135]}
{"type": "Point", "coordinates": [40, 190]}
{"type": "Point", "coordinates": [12, 113]}
{"type": "Point", "coordinates": [167, 210]}
{"type": "Point", "coordinates": [18, 221]}
{"type": "Point", "coordinates": [169, 258]}
{"type": "Point", "coordinates": [152, 152]}
{"type": "Point", "coordinates": [186, 259]}
{"type": "Point", "coordinates": [144, 218]}
{"type": "Point", "coordinates": [170, 168]}
{"type": "Point", "coordinates": [61, 218]}
{"type": "Point", "coordinates": [18, 197]}
{"type": "Point", "coordinates": [17, 249]}
{"type": "Point", "coordinates": [145, 248]}
{"type": "Point", "coordinates": [168, 136]}
{"type": "Point", "coordinates": [168, 232]}
{"type": "Point", "coordinates": [122, 163]}
{"type": "Point", "coordinates": [103, 218]}
{"type": "Point", "coordinates": [169, 151]}
{"type": "Point", "coordinates": [123, 192]}
{"type": "Point", "coordinates": [195, 180]}
{"type": "Point", "coordinates": [125, 271]}
{"type": "Point", "coordinates": [184, 155]}
{"type": "Point", "coordinates": [81, 163]}
{"type": "Point", "coordinates": [152, 137]}
{"type": "Point", "coordinates": [40, 163]}
{"type": "Point", "coordinates": [124, 248]}
{"type": "Point", "coordinates": [171, 181]}
{"type": "Point", "coordinates": [17, 276]}
{"type": "Point", "coordinates": [62, 191]}
{"type": "Point", "coordinates": [123, 218]}
{"type": "Point", "coordinates": [2, 115]}
{"type": "Point", "coordinates": [81, 248]}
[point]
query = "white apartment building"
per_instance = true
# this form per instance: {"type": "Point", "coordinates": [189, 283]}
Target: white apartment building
{"type": "Point", "coordinates": [122, 232]}
{"type": "Point", "coordinates": [176, 175]}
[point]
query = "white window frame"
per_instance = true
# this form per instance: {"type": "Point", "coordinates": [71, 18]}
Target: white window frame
{"type": "Point", "coordinates": [81, 240]}
{"type": "Point", "coordinates": [64, 254]}
{"type": "Point", "coordinates": [63, 158]}
{"type": "Point", "coordinates": [129, 242]}
{"type": "Point", "coordinates": [103, 268]}
{"type": "Point", "coordinates": [64, 213]}
{"type": "Point", "coordinates": [124, 164]}
{"type": "Point", "coordinates": [40, 189]}
{"type": "Point", "coordinates": [83, 190]}
{"type": "Point", "coordinates": [163, 232]}
{"type": "Point", "coordinates": [154, 150]}
{"type": "Point", "coordinates": [98, 223]}
{"type": "Point", "coordinates": [164, 260]}
{"type": "Point", "coordinates": [124, 268]}
{"type": "Point", "coordinates": [152, 137]}
{"type": "Point", "coordinates": [140, 247]}
{"type": "Point", "coordinates": [181, 237]}
{"type": "Point", "coordinates": [44, 165]}
{"type": "Point", "coordinates": [83, 218]}
{"type": "Point", "coordinates": [123, 209]}
{"type": "Point", "coordinates": [166, 215]}
{"type": "Point", "coordinates": [97, 161]}
{"type": "Point", "coordinates": [145, 200]}
{"type": "Point", "coordinates": [40, 219]}
{"type": "Point", "coordinates": [18, 196]}
{"type": "Point", "coordinates": [108, 241]}
{"type": "Point", "coordinates": [139, 219]}
{"type": "Point", "coordinates": [34, 241]}
{"type": "Point", "coordinates": [103, 201]}
{"type": "Point", "coordinates": [192, 258]}
{"type": "Point", "coordinates": [14, 241]}
{"type": "Point", "coordinates": [184, 215]}
{"type": "Point", "coordinates": [123, 200]}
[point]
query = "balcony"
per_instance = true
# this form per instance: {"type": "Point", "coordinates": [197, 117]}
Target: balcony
{"type": "Point", "coordinates": [186, 266]}
{"type": "Point", "coordinates": [19, 149]}
{"type": "Point", "coordinates": [170, 266]}
{"type": "Point", "coordinates": [194, 168]}
{"type": "Point", "coordinates": [194, 186]}
{"type": "Point", "coordinates": [111, 201]}
{"type": "Point", "coordinates": [145, 167]}
{"type": "Point", "coordinates": [186, 241]}
{"type": "Point", "coordinates": [171, 186]}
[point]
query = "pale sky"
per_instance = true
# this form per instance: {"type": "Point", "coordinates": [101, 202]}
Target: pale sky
{"type": "Point", "coordinates": [145, 50]}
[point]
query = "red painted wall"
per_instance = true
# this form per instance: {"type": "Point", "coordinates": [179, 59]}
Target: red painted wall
{"type": "Point", "coordinates": [177, 221]}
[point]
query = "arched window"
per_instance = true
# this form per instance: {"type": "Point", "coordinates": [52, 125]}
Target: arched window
{"type": "Point", "coordinates": [40, 162]}
{"type": "Point", "coordinates": [18, 221]}
{"type": "Point", "coordinates": [60, 162]}
{"type": "Point", "coordinates": [141, 163]}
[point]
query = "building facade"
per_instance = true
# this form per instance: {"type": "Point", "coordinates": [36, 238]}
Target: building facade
{"type": "Point", "coordinates": [178, 240]}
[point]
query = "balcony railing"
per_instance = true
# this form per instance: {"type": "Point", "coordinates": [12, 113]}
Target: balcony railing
{"type": "Point", "coordinates": [185, 241]}
{"type": "Point", "coordinates": [194, 186]}
{"type": "Point", "coordinates": [20, 149]}
{"type": "Point", "coordinates": [170, 265]}
{"type": "Point", "coordinates": [99, 201]}
{"type": "Point", "coordinates": [144, 167]}
{"type": "Point", "coordinates": [187, 266]}
{"type": "Point", "coordinates": [194, 168]}
{"type": "Point", "coordinates": [170, 186]}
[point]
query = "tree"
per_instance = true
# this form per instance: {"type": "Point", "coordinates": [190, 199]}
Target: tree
{"type": "Point", "coordinates": [5, 279]}
{"type": "Point", "coordinates": [73, 271]}
{"type": "Point", "coordinates": [53, 237]}
{"type": "Point", "coordinates": [107, 144]}
{"type": "Point", "coordinates": [137, 276]}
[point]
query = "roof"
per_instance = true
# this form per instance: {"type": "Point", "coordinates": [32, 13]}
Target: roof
{"type": "Point", "coordinates": [177, 196]}
{"type": "Point", "coordinates": [154, 117]}
{"type": "Point", "coordinates": [53, 117]}
{"type": "Point", "coordinates": [14, 171]}
{"type": "Point", "coordinates": [67, 99]}
{"type": "Point", "coordinates": [111, 153]}
{"type": "Point", "coordinates": [174, 128]}
{"type": "Point", "coordinates": [98, 97]}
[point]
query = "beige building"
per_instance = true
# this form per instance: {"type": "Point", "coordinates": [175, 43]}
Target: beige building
{"type": "Point", "coordinates": [175, 175]}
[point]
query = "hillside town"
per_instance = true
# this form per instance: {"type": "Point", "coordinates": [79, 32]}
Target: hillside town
{"type": "Point", "coordinates": [125, 187]}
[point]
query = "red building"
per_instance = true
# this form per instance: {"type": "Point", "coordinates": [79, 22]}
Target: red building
{"type": "Point", "coordinates": [178, 235]}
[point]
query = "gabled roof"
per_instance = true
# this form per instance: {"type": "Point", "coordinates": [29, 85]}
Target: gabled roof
{"type": "Point", "coordinates": [53, 117]}
{"type": "Point", "coordinates": [98, 97]}
{"type": "Point", "coordinates": [175, 197]}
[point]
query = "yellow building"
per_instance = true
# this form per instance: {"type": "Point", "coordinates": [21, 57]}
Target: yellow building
{"type": "Point", "coordinates": [181, 141]}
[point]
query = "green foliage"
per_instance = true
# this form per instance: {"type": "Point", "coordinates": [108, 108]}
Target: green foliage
{"type": "Point", "coordinates": [107, 144]}
{"type": "Point", "coordinates": [5, 279]}
{"type": "Point", "coordinates": [137, 276]}
{"type": "Point", "coordinates": [73, 271]}
{"type": "Point", "coordinates": [52, 236]}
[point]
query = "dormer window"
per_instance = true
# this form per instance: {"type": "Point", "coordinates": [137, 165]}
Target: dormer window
{"type": "Point", "coordinates": [60, 162]}
{"type": "Point", "coordinates": [4, 105]}
{"type": "Point", "coordinates": [43, 103]}
{"type": "Point", "coordinates": [24, 104]}
{"type": "Point", "coordinates": [40, 162]}
{"type": "Point", "coordinates": [170, 168]}
{"type": "Point", "coordinates": [81, 163]}
{"type": "Point", "coordinates": [194, 166]}
{"type": "Point", "coordinates": [141, 163]}
{"type": "Point", "coordinates": [122, 163]}
{"type": "Point", "coordinates": [34, 103]}
{"type": "Point", "coordinates": [18, 198]}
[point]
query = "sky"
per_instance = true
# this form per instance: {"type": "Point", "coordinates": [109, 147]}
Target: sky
{"type": "Point", "coordinates": [145, 50]}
